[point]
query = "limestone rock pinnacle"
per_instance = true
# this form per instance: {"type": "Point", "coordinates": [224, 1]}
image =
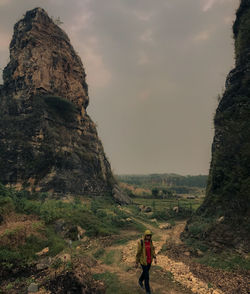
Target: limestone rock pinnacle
{"type": "Point", "coordinates": [42, 60]}
{"type": "Point", "coordinates": [47, 140]}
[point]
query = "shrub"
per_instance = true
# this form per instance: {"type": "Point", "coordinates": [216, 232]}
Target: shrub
{"type": "Point", "coordinates": [98, 253]}
{"type": "Point", "coordinates": [155, 192]}
{"type": "Point", "coordinates": [6, 205]}
{"type": "Point", "coordinates": [52, 210]}
{"type": "Point", "coordinates": [61, 107]}
{"type": "Point", "coordinates": [55, 243]}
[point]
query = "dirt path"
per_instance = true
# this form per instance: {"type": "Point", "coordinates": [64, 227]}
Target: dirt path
{"type": "Point", "coordinates": [168, 276]}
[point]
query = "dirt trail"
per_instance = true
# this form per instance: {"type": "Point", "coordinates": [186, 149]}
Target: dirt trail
{"type": "Point", "coordinates": [169, 276]}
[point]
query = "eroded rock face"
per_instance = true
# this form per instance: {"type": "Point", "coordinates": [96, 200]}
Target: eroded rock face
{"type": "Point", "coordinates": [47, 140]}
{"type": "Point", "coordinates": [228, 188]}
{"type": "Point", "coordinates": [42, 61]}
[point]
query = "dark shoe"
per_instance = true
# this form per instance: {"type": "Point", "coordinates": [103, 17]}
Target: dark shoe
{"type": "Point", "coordinates": [141, 284]}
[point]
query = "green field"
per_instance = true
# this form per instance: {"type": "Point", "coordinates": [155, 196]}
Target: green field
{"type": "Point", "coordinates": [160, 204]}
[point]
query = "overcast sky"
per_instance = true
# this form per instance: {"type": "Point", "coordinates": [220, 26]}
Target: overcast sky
{"type": "Point", "coordinates": [154, 69]}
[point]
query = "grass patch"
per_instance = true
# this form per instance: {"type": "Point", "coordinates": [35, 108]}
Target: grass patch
{"type": "Point", "coordinates": [196, 244]}
{"type": "Point", "coordinates": [26, 253]}
{"type": "Point", "coordinates": [111, 257]}
{"type": "Point", "coordinates": [138, 226]}
{"type": "Point", "coordinates": [125, 240]}
{"type": "Point", "coordinates": [98, 253]}
{"type": "Point", "coordinates": [163, 208]}
{"type": "Point", "coordinates": [209, 285]}
{"type": "Point", "coordinates": [156, 238]}
{"type": "Point", "coordinates": [94, 218]}
{"type": "Point", "coordinates": [55, 243]}
{"type": "Point", "coordinates": [100, 217]}
{"type": "Point", "coordinates": [113, 285]}
{"type": "Point", "coordinates": [227, 261]}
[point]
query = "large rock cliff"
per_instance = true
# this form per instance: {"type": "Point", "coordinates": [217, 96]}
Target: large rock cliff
{"type": "Point", "coordinates": [47, 140]}
{"type": "Point", "coordinates": [224, 217]}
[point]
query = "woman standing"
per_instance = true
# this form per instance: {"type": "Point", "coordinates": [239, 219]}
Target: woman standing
{"type": "Point", "coordinates": [145, 255]}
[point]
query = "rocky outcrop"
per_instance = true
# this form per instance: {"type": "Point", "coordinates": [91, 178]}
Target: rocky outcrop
{"type": "Point", "coordinates": [47, 140]}
{"type": "Point", "coordinates": [42, 61]}
{"type": "Point", "coordinates": [228, 188]}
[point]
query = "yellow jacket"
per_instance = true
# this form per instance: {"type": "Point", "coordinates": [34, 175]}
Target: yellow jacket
{"type": "Point", "coordinates": [141, 252]}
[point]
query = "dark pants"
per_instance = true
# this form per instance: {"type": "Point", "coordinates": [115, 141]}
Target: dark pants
{"type": "Point", "coordinates": [145, 276]}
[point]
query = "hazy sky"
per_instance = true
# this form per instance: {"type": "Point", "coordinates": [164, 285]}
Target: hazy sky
{"type": "Point", "coordinates": [154, 69]}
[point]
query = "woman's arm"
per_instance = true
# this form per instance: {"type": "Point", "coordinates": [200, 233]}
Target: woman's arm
{"type": "Point", "coordinates": [153, 253]}
{"type": "Point", "coordinates": [138, 254]}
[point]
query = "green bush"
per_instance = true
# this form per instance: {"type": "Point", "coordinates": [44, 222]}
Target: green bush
{"type": "Point", "coordinates": [61, 107]}
{"type": "Point", "coordinates": [52, 210]}
{"type": "Point", "coordinates": [197, 229]}
{"type": "Point", "coordinates": [57, 263]}
{"type": "Point", "coordinates": [155, 192]}
{"type": "Point", "coordinates": [7, 255]}
{"type": "Point", "coordinates": [33, 244]}
{"type": "Point", "coordinates": [98, 253]}
{"type": "Point", "coordinates": [55, 243]}
{"type": "Point", "coordinates": [109, 258]}
{"type": "Point", "coordinates": [160, 215]}
{"type": "Point", "coordinates": [6, 205]}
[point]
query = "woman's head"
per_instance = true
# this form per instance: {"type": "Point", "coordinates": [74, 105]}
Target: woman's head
{"type": "Point", "coordinates": [147, 235]}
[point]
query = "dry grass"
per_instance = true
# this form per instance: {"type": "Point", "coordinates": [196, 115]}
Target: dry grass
{"type": "Point", "coordinates": [134, 190]}
{"type": "Point", "coordinates": [16, 228]}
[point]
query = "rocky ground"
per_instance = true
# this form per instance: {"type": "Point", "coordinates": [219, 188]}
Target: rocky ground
{"type": "Point", "coordinates": [114, 268]}
{"type": "Point", "coordinates": [176, 273]}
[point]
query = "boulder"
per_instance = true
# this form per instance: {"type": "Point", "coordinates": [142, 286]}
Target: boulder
{"type": "Point", "coordinates": [220, 219]}
{"type": "Point", "coordinates": [129, 220]}
{"type": "Point", "coordinates": [71, 232]}
{"type": "Point", "coordinates": [43, 252]}
{"type": "Point", "coordinates": [199, 253]}
{"type": "Point", "coordinates": [68, 231]}
{"type": "Point", "coordinates": [43, 263]}
{"type": "Point", "coordinates": [191, 197]}
{"type": "Point", "coordinates": [81, 232]}
{"type": "Point", "coordinates": [154, 220]}
{"type": "Point", "coordinates": [166, 226]}
{"type": "Point", "coordinates": [65, 257]}
{"type": "Point", "coordinates": [147, 209]}
{"type": "Point", "coordinates": [59, 226]}
{"type": "Point", "coordinates": [41, 266]}
{"type": "Point", "coordinates": [120, 196]}
{"type": "Point", "coordinates": [141, 207]}
{"type": "Point", "coordinates": [33, 288]}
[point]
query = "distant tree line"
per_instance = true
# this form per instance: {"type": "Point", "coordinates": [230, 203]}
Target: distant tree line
{"type": "Point", "coordinates": [165, 180]}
